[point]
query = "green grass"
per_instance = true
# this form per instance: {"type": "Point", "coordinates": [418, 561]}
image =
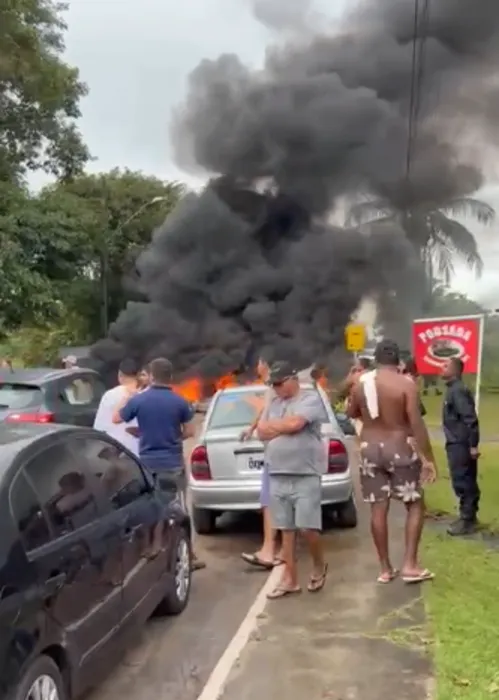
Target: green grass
{"type": "Point", "coordinates": [488, 413]}
{"type": "Point", "coordinates": [463, 602]}
{"type": "Point", "coordinates": [440, 497]}
{"type": "Point", "coordinates": [463, 614]}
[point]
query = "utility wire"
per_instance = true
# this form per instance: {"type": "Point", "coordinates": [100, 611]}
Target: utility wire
{"type": "Point", "coordinates": [420, 30]}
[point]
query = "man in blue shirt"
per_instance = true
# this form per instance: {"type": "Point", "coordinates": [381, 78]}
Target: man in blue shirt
{"type": "Point", "coordinates": [164, 421]}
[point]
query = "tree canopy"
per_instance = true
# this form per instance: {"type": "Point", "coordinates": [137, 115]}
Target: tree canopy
{"type": "Point", "coordinates": [39, 93]}
{"type": "Point", "coordinates": [58, 245]}
{"type": "Point", "coordinates": [434, 232]}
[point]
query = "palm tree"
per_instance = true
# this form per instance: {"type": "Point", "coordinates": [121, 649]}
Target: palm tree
{"type": "Point", "coordinates": [434, 232]}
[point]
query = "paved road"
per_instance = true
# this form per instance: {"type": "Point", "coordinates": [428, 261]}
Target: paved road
{"type": "Point", "coordinates": [174, 657]}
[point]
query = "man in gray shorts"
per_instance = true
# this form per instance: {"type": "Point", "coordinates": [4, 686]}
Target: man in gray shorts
{"type": "Point", "coordinates": [291, 427]}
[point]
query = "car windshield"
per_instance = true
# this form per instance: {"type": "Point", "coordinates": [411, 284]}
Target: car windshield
{"type": "Point", "coordinates": [19, 396]}
{"type": "Point", "coordinates": [238, 409]}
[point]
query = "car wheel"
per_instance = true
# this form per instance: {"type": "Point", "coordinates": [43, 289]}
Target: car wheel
{"type": "Point", "coordinates": [42, 680]}
{"type": "Point", "coordinates": [204, 521]}
{"type": "Point", "coordinates": [179, 586]}
{"type": "Point", "coordinates": [347, 513]}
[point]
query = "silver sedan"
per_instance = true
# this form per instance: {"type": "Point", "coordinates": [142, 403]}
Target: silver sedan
{"type": "Point", "coordinates": [225, 473]}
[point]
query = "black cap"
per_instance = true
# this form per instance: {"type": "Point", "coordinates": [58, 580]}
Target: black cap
{"type": "Point", "coordinates": [280, 371]}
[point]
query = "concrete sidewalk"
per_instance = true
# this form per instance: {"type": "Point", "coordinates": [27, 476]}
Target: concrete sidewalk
{"type": "Point", "coordinates": [356, 640]}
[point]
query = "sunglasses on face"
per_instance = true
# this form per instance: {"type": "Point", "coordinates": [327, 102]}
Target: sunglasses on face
{"type": "Point", "coordinates": [276, 385]}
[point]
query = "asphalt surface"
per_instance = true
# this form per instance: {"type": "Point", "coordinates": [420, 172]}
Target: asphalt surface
{"type": "Point", "coordinates": [173, 657]}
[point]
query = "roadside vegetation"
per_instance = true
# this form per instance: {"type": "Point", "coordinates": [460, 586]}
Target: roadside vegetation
{"type": "Point", "coordinates": [462, 603]}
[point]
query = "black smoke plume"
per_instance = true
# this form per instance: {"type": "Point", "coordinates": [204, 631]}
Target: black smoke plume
{"type": "Point", "coordinates": [253, 262]}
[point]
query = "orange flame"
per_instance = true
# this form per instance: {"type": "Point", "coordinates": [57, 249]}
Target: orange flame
{"type": "Point", "coordinates": [190, 389]}
{"type": "Point", "coordinates": [225, 382]}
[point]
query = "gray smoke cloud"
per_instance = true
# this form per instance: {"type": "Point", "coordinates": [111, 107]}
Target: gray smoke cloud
{"type": "Point", "coordinates": [294, 16]}
{"type": "Point", "coordinates": [239, 268]}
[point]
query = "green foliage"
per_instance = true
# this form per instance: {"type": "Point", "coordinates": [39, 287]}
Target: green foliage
{"type": "Point", "coordinates": [56, 247]}
{"type": "Point", "coordinates": [39, 93]}
{"type": "Point", "coordinates": [433, 231]}
{"type": "Point", "coordinates": [39, 345]}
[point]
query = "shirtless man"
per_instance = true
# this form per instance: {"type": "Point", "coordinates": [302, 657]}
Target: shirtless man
{"type": "Point", "coordinates": [387, 403]}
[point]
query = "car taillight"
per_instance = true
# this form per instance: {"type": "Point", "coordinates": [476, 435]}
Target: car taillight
{"type": "Point", "coordinates": [200, 465]}
{"type": "Point", "coordinates": [337, 457]}
{"type": "Point", "coordinates": [30, 418]}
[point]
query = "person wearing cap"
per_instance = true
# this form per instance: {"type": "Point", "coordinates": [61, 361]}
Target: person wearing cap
{"type": "Point", "coordinates": [291, 428]}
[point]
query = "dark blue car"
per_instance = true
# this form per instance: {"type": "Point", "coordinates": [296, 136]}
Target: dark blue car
{"type": "Point", "coordinates": [90, 548]}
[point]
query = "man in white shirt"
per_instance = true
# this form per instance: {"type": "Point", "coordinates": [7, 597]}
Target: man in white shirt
{"type": "Point", "coordinates": [127, 378]}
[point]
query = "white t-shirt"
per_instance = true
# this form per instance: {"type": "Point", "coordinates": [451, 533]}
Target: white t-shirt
{"type": "Point", "coordinates": [104, 420]}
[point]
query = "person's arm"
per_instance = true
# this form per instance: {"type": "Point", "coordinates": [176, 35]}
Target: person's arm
{"type": "Point", "coordinates": [248, 432]}
{"type": "Point", "coordinates": [353, 410]}
{"type": "Point", "coordinates": [187, 420]}
{"type": "Point", "coordinates": [309, 410]}
{"type": "Point", "coordinates": [416, 422]}
{"type": "Point", "coordinates": [127, 409]}
{"type": "Point", "coordinates": [465, 408]}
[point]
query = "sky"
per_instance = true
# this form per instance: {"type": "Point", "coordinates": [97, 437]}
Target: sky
{"type": "Point", "coordinates": [135, 58]}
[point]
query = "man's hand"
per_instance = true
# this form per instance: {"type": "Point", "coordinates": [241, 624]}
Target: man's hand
{"type": "Point", "coordinates": [474, 452]}
{"type": "Point", "coordinates": [428, 472]}
{"type": "Point", "coordinates": [246, 434]}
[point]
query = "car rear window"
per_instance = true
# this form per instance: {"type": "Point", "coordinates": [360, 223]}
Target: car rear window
{"type": "Point", "coordinates": [19, 396]}
{"type": "Point", "coordinates": [239, 409]}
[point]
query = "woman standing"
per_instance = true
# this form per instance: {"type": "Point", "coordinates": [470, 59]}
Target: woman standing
{"type": "Point", "coordinates": [264, 557]}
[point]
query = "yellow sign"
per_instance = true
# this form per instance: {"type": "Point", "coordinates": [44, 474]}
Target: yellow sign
{"type": "Point", "coordinates": [355, 337]}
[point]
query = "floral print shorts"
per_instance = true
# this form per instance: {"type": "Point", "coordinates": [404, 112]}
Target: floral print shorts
{"type": "Point", "coordinates": [390, 470]}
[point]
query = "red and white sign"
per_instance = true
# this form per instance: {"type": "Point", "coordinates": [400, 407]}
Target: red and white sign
{"type": "Point", "coordinates": [434, 342]}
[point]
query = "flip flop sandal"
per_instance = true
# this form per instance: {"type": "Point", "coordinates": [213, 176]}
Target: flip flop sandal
{"type": "Point", "coordinates": [278, 561]}
{"type": "Point", "coordinates": [317, 583]}
{"type": "Point", "coordinates": [197, 565]}
{"type": "Point", "coordinates": [387, 577]}
{"type": "Point", "coordinates": [425, 575]}
{"type": "Point", "coordinates": [254, 560]}
{"type": "Point", "coordinates": [280, 592]}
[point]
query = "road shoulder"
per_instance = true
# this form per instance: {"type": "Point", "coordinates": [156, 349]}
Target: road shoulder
{"type": "Point", "coordinates": [357, 640]}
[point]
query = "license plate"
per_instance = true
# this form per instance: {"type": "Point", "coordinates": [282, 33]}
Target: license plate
{"type": "Point", "coordinates": [255, 464]}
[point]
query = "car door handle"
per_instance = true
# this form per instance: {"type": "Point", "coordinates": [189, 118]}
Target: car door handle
{"type": "Point", "coordinates": [131, 531]}
{"type": "Point", "coordinates": [54, 584]}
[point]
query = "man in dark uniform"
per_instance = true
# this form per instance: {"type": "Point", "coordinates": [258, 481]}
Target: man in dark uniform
{"type": "Point", "coordinates": [462, 435]}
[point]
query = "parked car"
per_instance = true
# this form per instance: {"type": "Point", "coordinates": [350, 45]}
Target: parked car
{"type": "Point", "coordinates": [90, 548]}
{"type": "Point", "coordinates": [45, 395]}
{"type": "Point", "coordinates": [345, 423]}
{"type": "Point", "coordinates": [225, 472]}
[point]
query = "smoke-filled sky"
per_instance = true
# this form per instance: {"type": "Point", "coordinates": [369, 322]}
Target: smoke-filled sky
{"type": "Point", "coordinates": [136, 59]}
{"type": "Point", "coordinates": [253, 261]}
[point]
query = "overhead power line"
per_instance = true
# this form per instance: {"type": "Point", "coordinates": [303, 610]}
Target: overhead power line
{"type": "Point", "coordinates": [420, 33]}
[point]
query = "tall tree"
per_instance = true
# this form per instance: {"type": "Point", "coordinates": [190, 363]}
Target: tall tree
{"type": "Point", "coordinates": [438, 237]}
{"type": "Point", "coordinates": [126, 207]}
{"type": "Point", "coordinates": [44, 250]}
{"type": "Point", "coordinates": [39, 93]}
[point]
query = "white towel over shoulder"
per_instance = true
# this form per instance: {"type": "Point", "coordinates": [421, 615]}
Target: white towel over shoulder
{"type": "Point", "coordinates": [368, 381]}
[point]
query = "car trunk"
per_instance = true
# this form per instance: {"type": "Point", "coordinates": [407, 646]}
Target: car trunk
{"type": "Point", "coordinates": [231, 458]}
{"type": "Point", "coordinates": [19, 399]}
